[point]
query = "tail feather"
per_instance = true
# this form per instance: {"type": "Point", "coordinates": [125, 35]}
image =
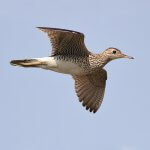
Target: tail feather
{"type": "Point", "coordinates": [26, 63]}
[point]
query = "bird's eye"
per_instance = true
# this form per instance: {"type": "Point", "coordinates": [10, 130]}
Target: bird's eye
{"type": "Point", "coordinates": [114, 52]}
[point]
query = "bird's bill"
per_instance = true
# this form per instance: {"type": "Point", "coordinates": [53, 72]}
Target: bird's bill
{"type": "Point", "coordinates": [126, 56]}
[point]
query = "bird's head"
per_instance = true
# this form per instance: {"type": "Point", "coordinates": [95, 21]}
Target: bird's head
{"type": "Point", "coordinates": [114, 53]}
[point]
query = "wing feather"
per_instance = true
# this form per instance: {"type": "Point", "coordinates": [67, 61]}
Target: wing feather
{"type": "Point", "coordinates": [90, 89]}
{"type": "Point", "coordinates": [66, 42]}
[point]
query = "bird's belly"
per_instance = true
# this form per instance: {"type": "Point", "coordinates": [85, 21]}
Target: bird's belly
{"type": "Point", "coordinates": [68, 67]}
{"type": "Point", "coordinates": [65, 67]}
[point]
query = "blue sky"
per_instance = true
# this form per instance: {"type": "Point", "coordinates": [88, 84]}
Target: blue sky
{"type": "Point", "coordinates": [40, 110]}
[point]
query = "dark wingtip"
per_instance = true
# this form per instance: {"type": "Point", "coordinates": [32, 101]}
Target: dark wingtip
{"type": "Point", "coordinates": [94, 111]}
{"type": "Point", "coordinates": [59, 29]}
{"type": "Point", "coordinates": [39, 27]}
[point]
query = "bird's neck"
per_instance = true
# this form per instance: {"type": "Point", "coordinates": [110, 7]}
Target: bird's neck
{"type": "Point", "coordinates": [104, 58]}
{"type": "Point", "coordinates": [98, 60]}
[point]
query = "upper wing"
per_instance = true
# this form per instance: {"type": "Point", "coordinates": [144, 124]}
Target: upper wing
{"type": "Point", "coordinates": [66, 42]}
{"type": "Point", "coordinates": [90, 89]}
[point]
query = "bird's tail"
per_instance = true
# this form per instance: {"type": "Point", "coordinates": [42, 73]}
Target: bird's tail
{"type": "Point", "coordinates": [26, 63]}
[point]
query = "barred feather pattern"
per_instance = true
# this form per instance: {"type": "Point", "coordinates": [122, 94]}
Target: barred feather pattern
{"type": "Point", "coordinates": [90, 89]}
{"type": "Point", "coordinates": [69, 45]}
{"type": "Point", "coordinates": [66, 42]}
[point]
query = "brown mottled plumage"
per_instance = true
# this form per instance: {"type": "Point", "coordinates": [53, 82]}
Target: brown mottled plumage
{"type": "Point", "coordinates": [70, 56]}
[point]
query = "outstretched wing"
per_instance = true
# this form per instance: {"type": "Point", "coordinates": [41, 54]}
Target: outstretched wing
{"type": "Point", "coordinates": [66, 42]}
{"type": "Point", "coordinates": [90, 89]}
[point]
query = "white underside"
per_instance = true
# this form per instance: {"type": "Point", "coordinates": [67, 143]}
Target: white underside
{"type": "Point", "coordinates": [61, 66]}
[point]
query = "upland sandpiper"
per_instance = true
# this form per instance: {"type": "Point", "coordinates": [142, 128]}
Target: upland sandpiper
{"type": "Point", "coordinates": [70, 56]}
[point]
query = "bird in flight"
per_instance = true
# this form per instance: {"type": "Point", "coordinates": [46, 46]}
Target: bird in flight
{"type": "Point", "coordinates": [70, 56]}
